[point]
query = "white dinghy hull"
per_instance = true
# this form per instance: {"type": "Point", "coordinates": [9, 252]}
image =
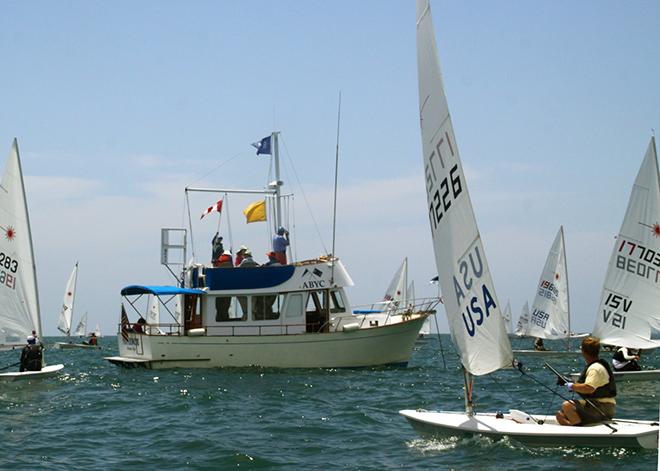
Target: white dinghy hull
{"type": "Point", "coordinates": [45, 372]}
{"type": "Point", "coordinates": [547, 352]}
{"type": "Point", "coordinates": [644, 375]}
{"type": "Point", "coordinates": [66, 345]}
{"type": "Point", "coordinates": [629, 433]}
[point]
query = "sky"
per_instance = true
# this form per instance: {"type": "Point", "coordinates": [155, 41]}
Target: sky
{"type": "Point", "coordinates": [118, 106]}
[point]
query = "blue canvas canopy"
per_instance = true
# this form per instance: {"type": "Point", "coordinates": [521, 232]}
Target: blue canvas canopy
{"type": "Point", "coordinates": [158, 290]}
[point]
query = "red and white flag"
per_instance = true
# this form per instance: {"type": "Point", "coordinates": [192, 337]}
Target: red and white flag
{"type": "Point", "coordinates": [216, 207]}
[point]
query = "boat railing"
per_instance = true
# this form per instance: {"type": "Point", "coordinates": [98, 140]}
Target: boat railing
{"type": "Point", "coordinates": [393, 308]}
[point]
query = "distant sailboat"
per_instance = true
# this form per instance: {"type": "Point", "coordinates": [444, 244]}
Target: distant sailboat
{"type": "Point", "coordinates": [508, 318]}
{"type": "Point", "coordinates": [550, 317]}
{"type": "Point", "coordinates": [523, 320]}
{"type": "Point", "coordinates": [19, 296]}
{"type": "Point", "coordinates": [476, 323]}
{"type": "Point", "coordinates": [66, 315]}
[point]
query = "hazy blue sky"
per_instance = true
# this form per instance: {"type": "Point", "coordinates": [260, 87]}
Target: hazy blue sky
{"type": "Point", "coordinates": [118, 105]}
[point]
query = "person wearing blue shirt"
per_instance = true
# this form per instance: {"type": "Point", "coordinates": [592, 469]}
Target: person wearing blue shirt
{"type": "Point", "coordinates": [280, 243]}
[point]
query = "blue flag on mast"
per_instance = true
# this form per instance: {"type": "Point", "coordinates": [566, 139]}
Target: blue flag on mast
{"type": "Point", "coordinates": [263, 146]}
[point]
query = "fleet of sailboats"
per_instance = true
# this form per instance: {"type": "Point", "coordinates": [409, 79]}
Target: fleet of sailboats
{"type": "Point", "coordinates": [243, 322]}
{"type": "Point", "coordinates": [476, 323]}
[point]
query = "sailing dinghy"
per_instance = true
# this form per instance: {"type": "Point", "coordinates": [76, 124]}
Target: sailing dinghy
{"type": "Point", "coordinates": [523, 320]}
{"type": "Point", "coordinates": [66, 315]}
{"type": "Point", "coordinates": [550, 316]}
{"type": "Point", "coordinates": [19, 297]}
{"type": "Point", "coordinates": [628, 309]}
{"type": "Point", "coordinates": [476, 323]}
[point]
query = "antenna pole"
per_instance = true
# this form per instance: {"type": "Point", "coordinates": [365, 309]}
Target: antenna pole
{"type": "Point", "coordinates": [334, 206]}
{"type": "Point", "coordinates": [192, 243]}
{"type": "Point", "coordinates": [276, 161]}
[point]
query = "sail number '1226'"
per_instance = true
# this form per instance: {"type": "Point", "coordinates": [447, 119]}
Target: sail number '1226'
{"type": "Point", "coordinates": [450, 188]}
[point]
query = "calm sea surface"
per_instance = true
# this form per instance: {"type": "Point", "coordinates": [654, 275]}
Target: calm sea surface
{"type": "Point", "coordinates": [98, 416]}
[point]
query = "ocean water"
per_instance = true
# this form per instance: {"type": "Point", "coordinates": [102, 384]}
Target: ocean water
{"type": "Point", "coordinates": [99, 416]}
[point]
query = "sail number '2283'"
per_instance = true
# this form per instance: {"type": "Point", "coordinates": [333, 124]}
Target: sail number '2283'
{"type": "Point", "coordinates": [11, 265]}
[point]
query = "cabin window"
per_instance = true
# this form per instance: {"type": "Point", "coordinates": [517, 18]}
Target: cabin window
{"type": "Point", "coordinates": [230, 308]}
{"type": "Point", "coordinates": [294, 305]}
{"type": "Point", "coordinates": [337, 304]}
{"type": "Point", "coordinates": [265, 308]}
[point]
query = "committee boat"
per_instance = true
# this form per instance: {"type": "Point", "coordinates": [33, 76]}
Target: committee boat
{"type": "Point", "coordinates": [295, 315]}
{"type": "Point", "coordinates": [19, 296]}
{"type": "Point", "coordinates": [475, 320]}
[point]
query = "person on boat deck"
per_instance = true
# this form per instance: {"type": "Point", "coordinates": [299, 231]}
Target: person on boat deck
{"type": "Point", "coordinates": [225, 260]}
{"type": "Point", "coordinates": [239, 255]}
{"type": "Point", "coordinates": [248, 261]}
{"type": "Point", "coordinates": [92, 340]}
{"type": "Point", "coordinates": [596, 386]}
{"type": "Point", "coordinates": [138, 327]}
{"type": "Point", "coordinates": [272, 260]}
{"type": "Point", "coordinates": [626, 360]}
{"type": "Point", "coordinates": [280, 243]}
{"type": "Point", "coordinates": [217, 248]}
{"type": "Point", "coordinates": [538, 345]}
{"type": "Point", "coordinates": [31, 356]}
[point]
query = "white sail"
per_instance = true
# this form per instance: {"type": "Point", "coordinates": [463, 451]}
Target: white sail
{"type": "Point", "coordinates": [523, 320]}
{"type": "Point", "coordinates": [549, 318]}
{"type": "Point", "coordinates": [178, 317]}
{"type": "Point", "coordinates": [97, 331]}
{"type": "Point", "coordinates": [396, 293]}
{"type": "Point", "coordinates": [81, 329]}
{"type": "Point", "coordinates": [153, 315]}
{"type": "Point", "coordinates": [66, 314]}
{"type": "Point", "coordinates": [506, 314]}
{"type": "Point", "coordinates": [629, 305]}
{"type": "Point", "coordinates": [19, 299]}
{"type": "Point", "coordinates": [474, 314]}
{"type": "Point", "coordinates": [410, 293]}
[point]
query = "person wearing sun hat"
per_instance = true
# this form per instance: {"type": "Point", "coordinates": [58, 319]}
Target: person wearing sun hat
{"type": "Point", "coordinates": [239, 255]}
{"type": "Point", "coordinates": [248, 261]}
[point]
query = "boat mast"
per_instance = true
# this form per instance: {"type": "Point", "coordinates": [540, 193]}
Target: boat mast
{"type": "Point", "coordinates": [469, 381]}
{"type": "Point", "coordinates": [334, 204]}
{"type": "Point", "coordinates": [73, 301]}
{"type": "Point", "coordinates": [568, 297]}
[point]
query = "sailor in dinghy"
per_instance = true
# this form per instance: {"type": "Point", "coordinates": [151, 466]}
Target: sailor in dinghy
{"type": "Point", "coordinates": [482, 343]}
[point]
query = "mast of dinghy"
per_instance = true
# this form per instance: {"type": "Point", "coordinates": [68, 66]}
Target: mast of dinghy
{"type": "Point", "coordinates": [469, 382]}
{"type": "Point", "coordinates": [568, 296]}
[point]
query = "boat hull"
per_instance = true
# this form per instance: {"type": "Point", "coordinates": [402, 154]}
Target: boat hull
{"type": "Point", "coordinates": [643, 375]}
{"type": "Point", "coordinates": [629, 433]}
{"type": "Point", "coordinates": [547, 352]}
{"type": "Point", "coordinates": [377, 346]}
{"type": "Point", "coordinates": [66, 345]}
{"type": "Point", "coordinates": [45, 372]}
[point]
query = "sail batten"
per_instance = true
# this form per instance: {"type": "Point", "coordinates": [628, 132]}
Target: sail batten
{"type": "Point", "coordinates": [628, 308]}
{"type": "Point", "coordinates": [473, 310]}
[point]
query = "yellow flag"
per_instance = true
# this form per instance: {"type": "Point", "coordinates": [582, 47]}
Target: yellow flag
{"type": "Point", "coordinates": [255, 212]}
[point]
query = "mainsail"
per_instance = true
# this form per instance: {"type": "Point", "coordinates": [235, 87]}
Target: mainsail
{"type": "Point", "coordinates": [19, 299]}
{"type": "Point", "coordinates": [396, 293]}
{"type": "Point", "coordinates": [549, 318]}
{"type": "Point", "coordinates": [81, 329]}
{"type": "Point", "coordinates": [508, 320]}
{"type": "Point", "coordinates": [523, 320]}
{"type": "Point", "coordinates": [475, 318]}
{"type": "Point", "coordinates": [153, 315]}
{"type": "Point", "coordinates": [66, 314]}
{"type": "Point", "coordinates": [629, 305]}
